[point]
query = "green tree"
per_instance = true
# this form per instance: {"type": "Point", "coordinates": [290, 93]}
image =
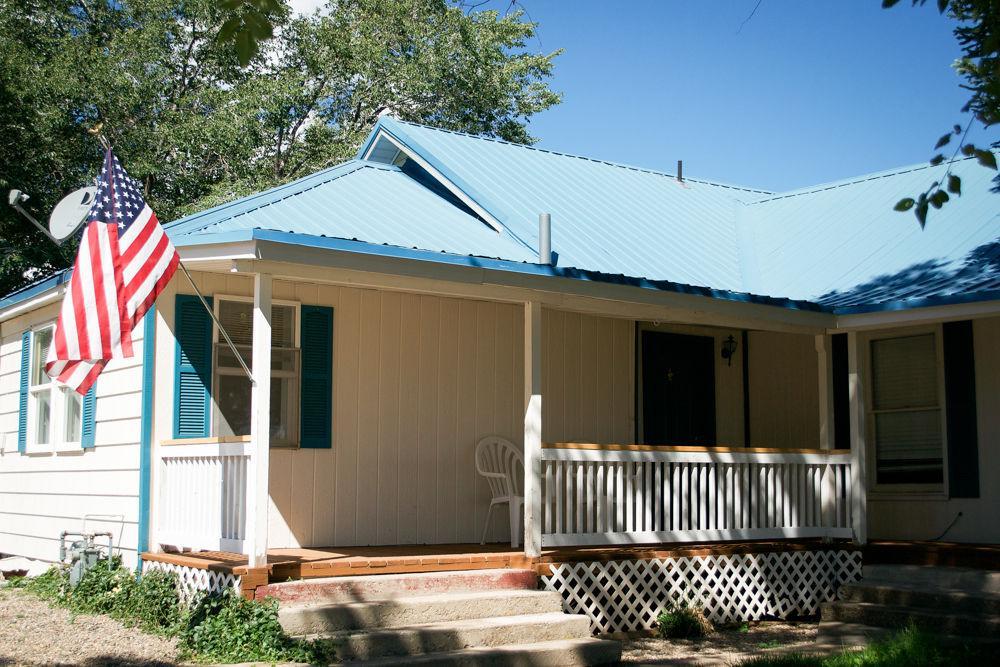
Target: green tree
{"type": "Point", "coordinates": [978, 33]}
{"type": "Point", "coordinates": [161, 80]}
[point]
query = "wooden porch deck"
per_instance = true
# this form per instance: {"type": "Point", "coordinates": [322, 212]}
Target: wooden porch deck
{"type": "Point", "coordinates": [284, 564]}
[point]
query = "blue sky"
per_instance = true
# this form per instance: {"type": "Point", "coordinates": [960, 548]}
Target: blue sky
{"type": "Point", "coordinates": [807, 91]}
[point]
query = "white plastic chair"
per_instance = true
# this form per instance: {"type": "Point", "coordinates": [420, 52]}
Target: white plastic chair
{"type": "Point", "coordinates": [500, 462]}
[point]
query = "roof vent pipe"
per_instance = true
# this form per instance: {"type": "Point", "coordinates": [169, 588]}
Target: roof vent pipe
{"type": "Point", "coordinates": [680, 171]}
{"type": "Point", "coordinates": [545, 238]}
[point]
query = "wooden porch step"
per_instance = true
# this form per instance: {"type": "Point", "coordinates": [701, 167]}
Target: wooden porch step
{"type": "Point", "coordinates": [369, 587]}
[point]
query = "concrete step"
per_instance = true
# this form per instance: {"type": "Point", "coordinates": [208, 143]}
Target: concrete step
{"type": "Point", "coordinates": [931, 578]}
{"type": "Point", "coordinates": [384, 586]}
{"type": "Point", "coordinates": [919, 596]}
{"type": "Point", "coordinates": [838, 634]}
{"type": "Point", "coordinates": [560, 653]}
{"type": "Point", "coordinates": [942, 622]}
{"type": "Point", "coordinates": [323, 618]}
{"type": "Point", "coordinates": [447, 636]}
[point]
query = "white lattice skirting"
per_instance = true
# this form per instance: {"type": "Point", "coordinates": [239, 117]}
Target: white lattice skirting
{"type": "Point", "coordinates": [626, 595]}
{"type": "Point", "coordinates": [192, 580]}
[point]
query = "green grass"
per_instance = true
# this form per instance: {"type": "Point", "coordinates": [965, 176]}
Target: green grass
{"type": "Point", "coordinates": [910, 647]}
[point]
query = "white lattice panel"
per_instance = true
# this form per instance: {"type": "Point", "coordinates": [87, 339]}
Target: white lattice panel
{"type": "Point", "coordinates": [192, 581]}
{"type": "Point", "coordinates": [628, 595]}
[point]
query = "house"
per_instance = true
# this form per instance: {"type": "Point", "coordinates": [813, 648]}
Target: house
{"type": "Point", "coordinates": [790, 373]}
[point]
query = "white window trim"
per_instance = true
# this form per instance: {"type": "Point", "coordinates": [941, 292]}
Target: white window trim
{"type": "Point", "coordinates": [912, 491]}
{"type": "Point", "coordinates": [216, 371]}
{"type": "Point", "coordinates": [58, 393]}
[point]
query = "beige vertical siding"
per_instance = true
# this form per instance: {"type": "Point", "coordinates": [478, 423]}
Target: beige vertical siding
{"type": "Point", "coordinates": [418, 380]}
{"type": "Point", "coordinates": [43, 494]}
{"type": "Point", "coordinates": [927, 517]}
{"type": "Point", "coordinates": [588, 372]}
{"type": "Point", "coordinates": [784, 390]}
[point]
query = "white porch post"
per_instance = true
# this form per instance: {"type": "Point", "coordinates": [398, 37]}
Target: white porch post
{"type": "Point", "coordinates": [260, 423]}
{"type": "Point", "coordinates": [532, 429]}
{"type": "Point", "coordinates": [858, 441]}
{"type": "Point", "coordinates": [824, 357]}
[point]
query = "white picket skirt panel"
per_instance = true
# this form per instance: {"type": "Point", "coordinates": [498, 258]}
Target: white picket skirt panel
{"type": "Point", "coordinates": [600, 496]}
{"type": "Point", "coordinates": [202, 499]}
{"type": "Point", "coordinates": [628, 595]}
{"type": "Point", "coordinates": [192, 581]}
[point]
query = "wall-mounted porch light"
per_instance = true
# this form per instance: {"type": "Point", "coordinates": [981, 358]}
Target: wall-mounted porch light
{"type": "Point", "coordinates": [729, 349]}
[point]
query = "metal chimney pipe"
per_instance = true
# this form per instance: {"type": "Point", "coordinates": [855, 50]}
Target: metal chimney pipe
{"type": "Point", "coordinates": [680, 171]}
{"type": "Point", "coordinates": [545, 238]}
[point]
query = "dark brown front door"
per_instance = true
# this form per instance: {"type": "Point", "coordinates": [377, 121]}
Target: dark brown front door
{"type": "Point", "coordinates": [678, 389]}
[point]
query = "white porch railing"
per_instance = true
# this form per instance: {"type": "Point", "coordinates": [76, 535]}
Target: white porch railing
{"type": "Point", "coordinates": [594, 494]}
{"type": "Point", "coordinates": [202, 496]}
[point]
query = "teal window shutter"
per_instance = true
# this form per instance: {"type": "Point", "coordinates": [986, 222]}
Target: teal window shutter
{"type": "Point", "coordinates": [316, 391]}
{"type": "Point", "coordinates": [88, 412]}
{"type": "Point", "coordinates": [22, 406]}
{"type": "Point", "coordinates": [192, 367]}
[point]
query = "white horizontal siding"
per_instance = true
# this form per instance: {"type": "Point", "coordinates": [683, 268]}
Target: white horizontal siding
{"type": "Point", "coordinates": [45, 493]}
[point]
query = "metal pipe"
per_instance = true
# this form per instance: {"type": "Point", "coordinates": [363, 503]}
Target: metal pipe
{"type": "Point", "coordinates": [545, 238]}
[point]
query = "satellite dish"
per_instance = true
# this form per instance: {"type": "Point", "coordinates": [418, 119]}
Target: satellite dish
{"type": "Point", "coordinates": [70, 212]}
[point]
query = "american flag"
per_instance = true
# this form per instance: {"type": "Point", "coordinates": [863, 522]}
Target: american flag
{"type": "Point", "coordinates": [124, 261]}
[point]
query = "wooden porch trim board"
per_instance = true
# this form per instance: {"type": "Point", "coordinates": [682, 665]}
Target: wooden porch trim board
{"type": "Point", "coordinates": [285, 564]}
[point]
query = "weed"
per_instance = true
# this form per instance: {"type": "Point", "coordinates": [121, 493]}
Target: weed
{"type": "Point", "coordinates": [683, 621]}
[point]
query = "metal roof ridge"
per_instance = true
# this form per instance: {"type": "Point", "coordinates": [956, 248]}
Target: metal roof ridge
{"type": "Point", "coordinates": [855, 180]}
{"type": "Point", "coordinates": [620, 165]}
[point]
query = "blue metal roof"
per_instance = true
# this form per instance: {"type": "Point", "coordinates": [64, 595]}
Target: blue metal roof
{"type": "Point", "coordinates": [842, 245]}
{"type": "Point", "coordinates": [606, 217]}
{"type": "Point", "coordinates": [358, 200]}
{"type": "Point", "coordinates": [837, 248]}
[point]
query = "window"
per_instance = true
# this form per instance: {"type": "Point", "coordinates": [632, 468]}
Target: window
{"type": "Point", "coordinates": [906, 411]}
{"type": "Point", "coordinates": [232, 387]}
{"type": "Point", "coordinates": [54, 411]}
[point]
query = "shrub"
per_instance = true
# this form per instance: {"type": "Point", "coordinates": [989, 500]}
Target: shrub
{"type": "Point", "coordinates": [229, 628]}
{"type": "Point", "coordinates": [50, 585]}
{"type": "Point", "coordinates": [683, 621]}
{"type": "Point", "coordinates": [217, 628]}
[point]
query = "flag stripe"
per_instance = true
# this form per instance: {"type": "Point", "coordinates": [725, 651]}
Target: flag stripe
{"type": "Point", "coordinates": [124, 261]}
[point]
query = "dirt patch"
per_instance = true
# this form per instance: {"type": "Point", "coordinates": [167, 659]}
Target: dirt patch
{"type": "Point", "coordinates": [725, 647]}
{"type": "Point", "coordinates": [35, 633]}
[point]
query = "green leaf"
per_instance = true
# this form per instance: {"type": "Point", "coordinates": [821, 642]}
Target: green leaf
{"type": "Point", "coordinates": [229, 28]}
{"type": "Point", "coordinates": [246, 47]}
{"type": "Point", "coordinates": [954, 184]}
{"type": "Point", "coordinates": [958, 130]}
{"type": "Point", "coordinates": [921, 213]}
{"type": "Point", "coordinates": [986, 158]}
{"type": "Point", "coordinates": [937, 159]}
{"type": "Point", "coordinates": [904, 204]}
{"type": "Point", "coordinates": [942, 5]}
{"type": "Point", "coordinates": [968, 150]}
{"type": "Point", "coordinates": [943, 141]}
{"type": "Point", "coordinates": [939, 198]}
{"type": "Point", "coordinates": [886, 4]}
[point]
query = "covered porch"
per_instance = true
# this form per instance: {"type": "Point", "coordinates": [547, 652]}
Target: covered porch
{"type": "Point", "coordinates": [595, 476]}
